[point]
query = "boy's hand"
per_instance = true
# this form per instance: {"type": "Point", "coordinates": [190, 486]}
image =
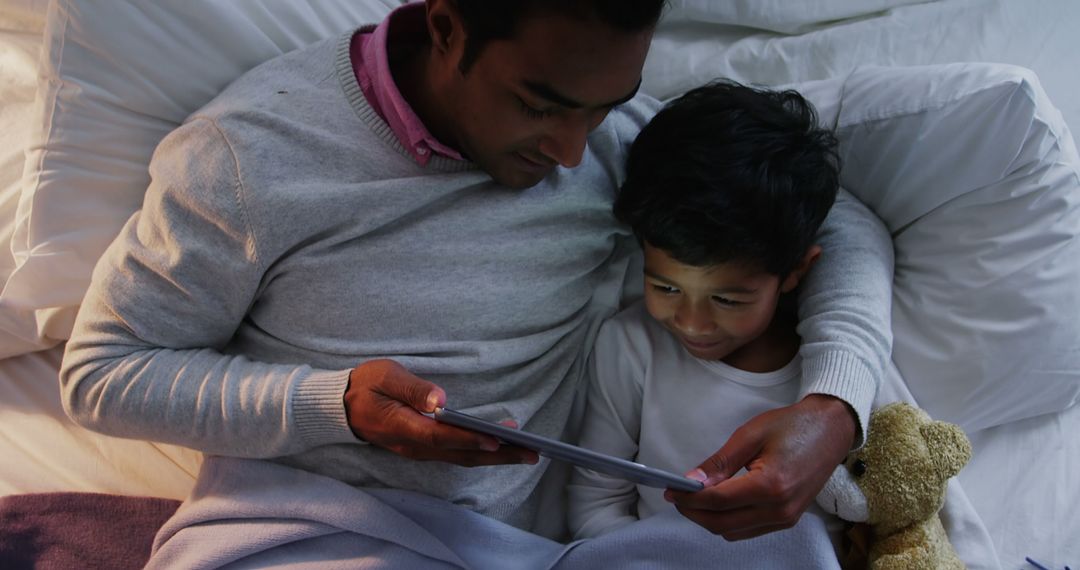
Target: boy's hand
{"type": "Point", "coordinates": [384, 405]}
{"type": "Point", "coordinates": [788, 453]}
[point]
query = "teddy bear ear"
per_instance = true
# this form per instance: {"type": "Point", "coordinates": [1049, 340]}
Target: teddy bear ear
{"type": "Point", "coordinates": [949, 448]}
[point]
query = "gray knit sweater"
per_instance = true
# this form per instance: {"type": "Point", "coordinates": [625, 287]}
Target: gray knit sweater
{"type": "Point", "coordinates": [287, 237]}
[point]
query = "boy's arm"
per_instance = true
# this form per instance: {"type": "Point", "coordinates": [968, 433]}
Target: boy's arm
{"type": "Point", "coordinates": [598, 503]}
{"type": "Point", "coordinates": [845, 307]}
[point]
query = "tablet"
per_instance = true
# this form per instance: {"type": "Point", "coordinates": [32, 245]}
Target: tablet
{"type": "Point", "coordinates": [555, 449]}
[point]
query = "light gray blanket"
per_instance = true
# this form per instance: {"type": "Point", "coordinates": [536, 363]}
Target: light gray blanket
{"type": "Point", "coordinates": [253, 514]}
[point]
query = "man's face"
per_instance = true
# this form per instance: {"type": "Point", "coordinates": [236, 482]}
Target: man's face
{"type": "Point", "coordinates": [715, 312]}
{"type": "Point", "coordinates": [526, 104]}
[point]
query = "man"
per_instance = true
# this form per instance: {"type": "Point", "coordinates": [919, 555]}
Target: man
{"type": "Point", "coordinates": [360, 231]}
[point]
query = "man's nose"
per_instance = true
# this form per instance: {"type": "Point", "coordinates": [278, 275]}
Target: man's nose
{"type": "Point", "coordinates": [565, 142]}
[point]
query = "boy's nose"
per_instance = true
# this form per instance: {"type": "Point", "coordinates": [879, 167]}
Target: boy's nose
{"type": "Point", "coordinates": [693, 320]}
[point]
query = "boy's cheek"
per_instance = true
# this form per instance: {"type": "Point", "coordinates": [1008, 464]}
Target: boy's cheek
{"type": "Point", "coordinates": [657, 308]}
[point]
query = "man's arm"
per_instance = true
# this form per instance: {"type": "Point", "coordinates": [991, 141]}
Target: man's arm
{"type": "Point", "coordinates": [145, 359]}
{"type": "Point", "coordinates": [844, 310]}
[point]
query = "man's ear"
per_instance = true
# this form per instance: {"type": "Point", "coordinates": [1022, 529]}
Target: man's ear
{"type": "Point", "coordinates": [813, 253]}
{"type": "Point", "coordinates": [445, 27]}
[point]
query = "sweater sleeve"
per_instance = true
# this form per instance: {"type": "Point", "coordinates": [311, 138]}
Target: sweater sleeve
{"type": "Point", "coordinates": [845, 305]}
{"type": "Point", "coordinates": [599, 503]}
{"type": "Point", "coordinates": [145, 358]}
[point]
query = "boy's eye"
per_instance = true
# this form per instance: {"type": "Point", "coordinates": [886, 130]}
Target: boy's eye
{"type": "Point", "coordinates": [724, 301]}
{"type": "Point", "coordinates": [532, 112]}
{"type": "Point", "coordinates": [665, 289]}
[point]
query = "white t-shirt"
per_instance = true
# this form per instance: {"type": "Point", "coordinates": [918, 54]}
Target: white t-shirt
{"type": "Point", "coordinates": [651, 401]}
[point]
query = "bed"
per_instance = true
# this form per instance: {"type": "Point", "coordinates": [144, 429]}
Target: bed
{"type": "Point", "coordinates": [987, 293]}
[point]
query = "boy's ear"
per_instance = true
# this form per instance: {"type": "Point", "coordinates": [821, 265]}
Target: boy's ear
{"type": "Point", "coordinates": [813, 253]}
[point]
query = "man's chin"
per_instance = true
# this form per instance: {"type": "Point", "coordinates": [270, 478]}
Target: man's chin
{"type": "Point", "coordinates": [518, 179]}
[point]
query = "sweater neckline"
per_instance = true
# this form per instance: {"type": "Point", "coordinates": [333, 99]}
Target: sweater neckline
{"type": "Point", "coordinates": [355, 97]}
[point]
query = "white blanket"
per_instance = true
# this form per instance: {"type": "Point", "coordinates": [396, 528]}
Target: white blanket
{"type": "Point", "coordinates": [248, 513]}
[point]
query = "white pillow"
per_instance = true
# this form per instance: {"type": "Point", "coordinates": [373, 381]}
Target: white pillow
{"type": "Point", "coordinates": [21, 24]}
{"type": "Point", "coordinates": [22, 15]}
{"type": "Point", "coordinates": [116, 76]}
{"type": "Point", "coordinates": [977, 177]}
{"type": "Point", "coordinates": [987, 275]}
{"type": "Point", "coordinates": [688, 52]}
{"type": "Point", "coordinates": [777, 15]}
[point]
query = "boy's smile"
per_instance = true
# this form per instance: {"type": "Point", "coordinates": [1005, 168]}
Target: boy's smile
{"type": "Point", "coordinates": [722, 312]}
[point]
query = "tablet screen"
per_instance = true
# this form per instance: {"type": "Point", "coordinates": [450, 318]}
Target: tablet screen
{"type": "Point", "coordinates": [562, 451]}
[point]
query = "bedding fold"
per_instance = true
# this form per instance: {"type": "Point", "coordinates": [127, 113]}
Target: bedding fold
{"type": "Point", "coordinates": [252, 513]}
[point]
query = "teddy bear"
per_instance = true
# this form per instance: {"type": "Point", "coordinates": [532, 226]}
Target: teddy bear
{"type": "Point", "coordinates": [895, 484]}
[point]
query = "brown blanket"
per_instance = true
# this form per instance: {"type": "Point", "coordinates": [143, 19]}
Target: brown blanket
{"type": "Point", "coordinates": [79, 530]}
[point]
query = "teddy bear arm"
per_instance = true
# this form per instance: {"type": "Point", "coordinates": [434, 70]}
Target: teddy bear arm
{"type": "Point", "coordinates": [905, 550]}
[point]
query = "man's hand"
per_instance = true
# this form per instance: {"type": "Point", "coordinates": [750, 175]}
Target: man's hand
{"type": "Point", "coordinates": [383, 404]}
{"type": "Point", "coordinates": [788, 453]}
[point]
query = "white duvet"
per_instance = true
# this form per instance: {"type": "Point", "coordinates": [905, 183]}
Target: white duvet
{"type": "Point", "coordinates": [778, 42]}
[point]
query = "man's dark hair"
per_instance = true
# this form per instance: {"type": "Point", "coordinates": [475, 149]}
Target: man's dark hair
{"type": "Point", "coordinates": [730, 173]}
{"type": "Point", "coordinates": [487, 20]}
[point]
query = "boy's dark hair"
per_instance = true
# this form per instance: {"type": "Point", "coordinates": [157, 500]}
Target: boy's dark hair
{"type": "Point", "coordinates": [487, 20]}
{"type": "Point", "coordinates": [729, 173]}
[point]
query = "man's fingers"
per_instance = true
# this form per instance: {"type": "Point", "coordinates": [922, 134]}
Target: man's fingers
{"type": "Point", "coordinates": [742, 507]}
{"type": "Point", "coordinates": [788, 453]}
{"type": "Point", "coordinates": [444, 442]}
{"type": "Point", "coordinates": [395, 384]}
{"type": "Point", "coordinates": [736, 452]}
{"type": "Point", "coordinates": [418, 431]}
{"type": "Point", "coordinates": [727, 495]}
{"type": "Point", "coordinates": [385, 405]}
{"type": "Point", "coordinates": [742, 523]}
{"type": "Point", "coordinates": [419, 394]}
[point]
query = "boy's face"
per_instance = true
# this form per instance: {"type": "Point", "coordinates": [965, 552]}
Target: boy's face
{"type": "Point", "coordinates": [526, 104]}
{"type": "Point", "coordinates": [715, 312]}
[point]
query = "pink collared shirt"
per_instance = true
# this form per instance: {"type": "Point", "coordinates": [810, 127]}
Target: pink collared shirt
{"type": "Point", "coordinates": [371, 65]}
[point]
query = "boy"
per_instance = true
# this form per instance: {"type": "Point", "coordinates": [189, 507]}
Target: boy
{"type": "Point", "coordinates": [725, 189]}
